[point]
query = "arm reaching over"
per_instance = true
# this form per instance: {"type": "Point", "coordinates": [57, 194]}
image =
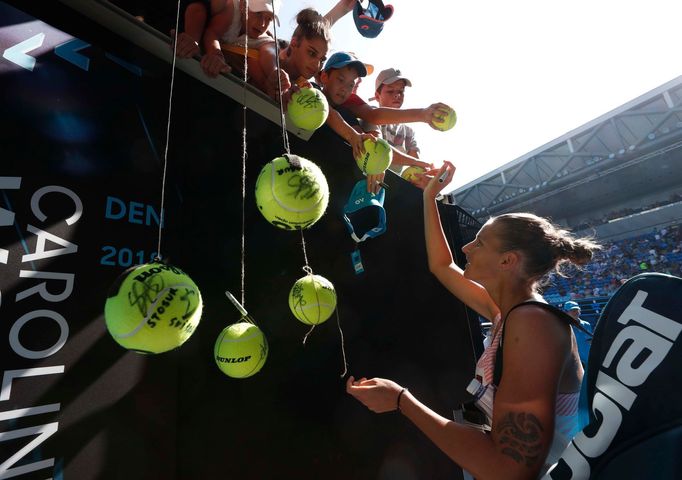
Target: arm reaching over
{"type": "Point", "coordinates": [348, 133]}
{"type": "Point", "coordinates": [386, 115]}
{"type": "Point", "coordinates": [441, 263]}
{"type": "Point", "coordinates": [339, 10]}
{"type": "Point", "coordinates": [213, 61]}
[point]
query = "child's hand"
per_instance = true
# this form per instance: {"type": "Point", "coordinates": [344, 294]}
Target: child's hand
{"type": "Point", "coordinates": [187, 47]}
{"type": "Point", "coordinates": [422, 179]}
{"type": "Point", "coordinates": [437, 111]}
{"type": "Point", "coordinates": [374, 182]}
{"type": "Point", "coordinates": [272, 85]}
{"type": "Point", "coordinates": [213, 63]}
{"type": "Point", "coordinates": [357, 142]}
{"type": "Point", "coordinates": [423, 164]}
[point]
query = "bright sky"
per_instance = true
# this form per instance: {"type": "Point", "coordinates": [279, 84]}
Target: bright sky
{"type": "Point", "coordinates": [519, 73]}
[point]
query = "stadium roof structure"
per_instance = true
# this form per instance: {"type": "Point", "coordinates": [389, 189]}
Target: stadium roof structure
{"type": "Point", "coordinates": [631, 150]}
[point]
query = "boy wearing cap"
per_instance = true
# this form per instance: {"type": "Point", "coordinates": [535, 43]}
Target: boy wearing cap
{"type": "Point", "coordinates": [338, 78]}
{"type": "Point", "coordinates": [390, 92]}
{"type": "Point", "coordinates": [582, 339]}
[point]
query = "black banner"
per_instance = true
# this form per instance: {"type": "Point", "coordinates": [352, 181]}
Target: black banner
{"type": "Point", "coordinates": [83, 136]}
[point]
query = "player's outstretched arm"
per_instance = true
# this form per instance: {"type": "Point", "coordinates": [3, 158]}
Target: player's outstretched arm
{"type": "Point", "coordinates": [441, 262]}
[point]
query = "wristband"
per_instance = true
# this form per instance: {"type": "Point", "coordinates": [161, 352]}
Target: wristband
{"type": "Point", "coordinates": [397, 402]}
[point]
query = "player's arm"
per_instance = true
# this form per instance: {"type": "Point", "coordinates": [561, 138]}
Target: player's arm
{"type": "Point", "coordinates": [441, 262]}
{"type": "Point", "coordinates": [523, 416]}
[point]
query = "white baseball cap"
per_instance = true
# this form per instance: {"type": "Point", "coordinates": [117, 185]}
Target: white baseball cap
{"type": "Point", "coordinates": [271, 6]}
{"type": "Point", "coordinates": [389, 76]}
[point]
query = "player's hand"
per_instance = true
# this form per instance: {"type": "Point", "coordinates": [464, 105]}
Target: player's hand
{"type": "Point", "coordinates": [187, 47]}
{"type": "Point", "coordinates": [437, 112]}
{"type": "Point", "coordinates": [435, 185]}
{"type": "Point", "coordinates": [378, 394]}
{"type": "Point", "coordinates": [213, 63]}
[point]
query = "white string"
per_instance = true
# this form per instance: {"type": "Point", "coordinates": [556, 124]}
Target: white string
{"type": "Point", "coordinates": [283, 122]}
{"type": "Point", "coordinates": [168, 125]}
{"type": "Point", "coordinates": [244, 154]}
{"type": "Point", "coordinates": [343, 343]}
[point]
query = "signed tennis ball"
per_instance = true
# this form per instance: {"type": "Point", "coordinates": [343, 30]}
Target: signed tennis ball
{"type": "Point", "coordinates": [312, 299]}
{"type": "Point", "coordinates": [240, 350]}
{"type": "Point", "coordinates": [308, 109]}
{"type": "Point", "coordinates": [377, 156]}
{"type": "Point", "coordinates": [291, 192]}
{"type": "Point", "coordinates": [152, 308]}
{"type": "Point", "coordinates": [410, 173]}
{"type": "Point", "coordinates": [447, 122]}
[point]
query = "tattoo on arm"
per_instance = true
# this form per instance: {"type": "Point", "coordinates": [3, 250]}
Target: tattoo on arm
{"type": "Point", "coordinates": [519, 437]}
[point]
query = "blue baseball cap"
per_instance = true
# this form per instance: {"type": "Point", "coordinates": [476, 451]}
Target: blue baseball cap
{"type": "Point", "coordinates": [344, 59]}
{"type": "Point", "coordinates": [370, 21]}
{"type": "Point", "coordinates": [568, 306]}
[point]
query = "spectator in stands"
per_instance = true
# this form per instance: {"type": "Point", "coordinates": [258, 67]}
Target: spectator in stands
{"type": "Point", "coordinates": [534, 406]}
{"type": "Point", "coordinates": [582, 337]}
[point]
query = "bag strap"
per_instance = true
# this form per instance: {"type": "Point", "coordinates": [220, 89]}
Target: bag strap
{"type": "Point", "coordinates": [561, 315]}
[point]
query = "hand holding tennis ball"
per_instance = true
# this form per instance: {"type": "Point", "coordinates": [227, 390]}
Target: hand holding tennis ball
{"type": "Point", "coordinates": [308, 109]}
{"type": "Point", "coordinates": [377, 157]}
{"type": "Point", "coordinates": [441, 117]}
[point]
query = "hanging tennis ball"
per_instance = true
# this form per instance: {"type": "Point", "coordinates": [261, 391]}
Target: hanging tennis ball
{"type": "Point", "coordinates": [312, 299]}
{"type": "Point", "coordinates": [377, 156]}
{"type": "Point", "coordinates": [447, 122]}
{"type": "Point", "coordinates": [152, 308]}
{"type": "Point", "coordinates": [308, 109]}
{"type": "Point", "coordinates": [291, 192]}
{"type": "Point", "coordinates": [410, 173]}
{"type": "Point", "coordinates": [240, 350]}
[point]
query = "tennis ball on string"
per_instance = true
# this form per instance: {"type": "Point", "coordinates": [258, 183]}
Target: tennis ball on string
{"type": "Point", "coordinates": [410, 173]}
{"type": "Point", "coordinates": [240, 350]}
{"type": "Point", "coordinates": [377, 156]}
{"type": "Point", "coordinates": [312, 299]}
{"type": "Point", "coordinates": [308, 109]}
{"type": "Point", "coordinates": [291, 192]}
{"type": "Point", "coordinates": [152, 308]}
{"type": "Point", "coordinates": [447, 122]}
